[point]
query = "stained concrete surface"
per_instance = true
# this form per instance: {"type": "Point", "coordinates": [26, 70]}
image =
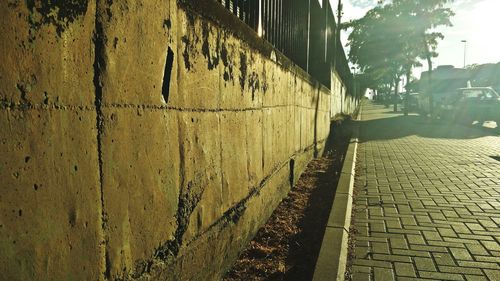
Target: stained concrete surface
{"type": "Point", "coordinates": [107, 173]}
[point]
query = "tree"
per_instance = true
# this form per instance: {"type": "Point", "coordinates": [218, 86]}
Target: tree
{"type": "Point", "coordinates": [486, 75]}
{"type": "Point", "coordinates": [421, 17]}
{"type": "Point", "coordinates": [391, 38]}
{"type": "Point", "coordinates": [376, 46]}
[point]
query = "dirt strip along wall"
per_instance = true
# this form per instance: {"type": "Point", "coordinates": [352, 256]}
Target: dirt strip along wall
{"type": "Point", "coordinates": [143, 140]}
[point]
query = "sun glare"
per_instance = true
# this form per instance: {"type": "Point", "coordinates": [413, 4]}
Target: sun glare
{"type": "Point", "coordinates": [477, 22]}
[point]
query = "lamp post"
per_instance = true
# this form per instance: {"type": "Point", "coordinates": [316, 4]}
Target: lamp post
{"type": "Point", "coordinates": [465, 49]}
{"type": "Point", "coordinates": [354, 80]}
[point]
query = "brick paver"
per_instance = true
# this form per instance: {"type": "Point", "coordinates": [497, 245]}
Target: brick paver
{"type": "Point", "coordinates": [427, 200]}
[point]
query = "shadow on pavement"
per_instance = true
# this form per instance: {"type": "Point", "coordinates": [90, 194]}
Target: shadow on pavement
{"type": "Point", "coordinates": [402, 126]}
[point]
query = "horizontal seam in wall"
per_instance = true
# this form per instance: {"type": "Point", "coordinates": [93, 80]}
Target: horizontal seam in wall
{"type": "Point", "coordinates": [182, 109]}
{"type": "Point", "coordinates": [24, 107]}
{"type": "Point", "coordinates": [150, 107]}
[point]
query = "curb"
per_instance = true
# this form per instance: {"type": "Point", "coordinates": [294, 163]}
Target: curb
{"type": "Point", "coordinates": [332, 258]}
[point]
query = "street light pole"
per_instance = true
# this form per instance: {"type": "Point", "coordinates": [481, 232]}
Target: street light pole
{"type": "Point", "coordinates": [465, 50]}
{"type": "Point", "coordinates": [354, 81]}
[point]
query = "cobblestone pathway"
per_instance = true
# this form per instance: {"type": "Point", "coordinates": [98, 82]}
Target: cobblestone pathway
{"type": "Point", "coordinates": [427, 203]}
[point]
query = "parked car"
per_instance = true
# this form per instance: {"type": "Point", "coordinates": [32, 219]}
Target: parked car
{"type": "Point", "coordinates": [434, 92]}
{"type": "Point", "coordinates": [411, 101]}
{"type": "Point", "coordinates": [385, 99]}
{"type": "Point", "coordinates": [398, 98]}
{"type": "Point", "coordinates": [439, 100]}
{"type": "Point", "coordinates": [472, 104]}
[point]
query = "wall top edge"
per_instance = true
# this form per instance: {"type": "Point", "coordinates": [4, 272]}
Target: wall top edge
{"type": "Point", "coordinates": [216, 13]}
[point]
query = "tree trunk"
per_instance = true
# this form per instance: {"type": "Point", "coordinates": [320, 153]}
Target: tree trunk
{"type": "Point", "coordinates": [408, 77]}
{"type": "Point", "coordinates": [396, 86]}
{"type": "Point", "coordinates": [429, 65]}
{"type": "Point", "coordinates": [406, 96]}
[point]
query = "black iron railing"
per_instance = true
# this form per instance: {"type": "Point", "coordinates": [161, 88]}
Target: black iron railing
{"type": "Point", "coordinates": [245, 10]}
{"type": "Point", "coordinates": [303, 30]}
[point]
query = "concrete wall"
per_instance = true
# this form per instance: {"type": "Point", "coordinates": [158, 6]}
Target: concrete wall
{"type": "Point", "coordinates": [341, 102]}
{"type": "Point", "coordinates": [50, 197]}
{"type": "Point", "coordinates": [143, 140]}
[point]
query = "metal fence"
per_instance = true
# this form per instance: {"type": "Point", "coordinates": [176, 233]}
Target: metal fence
{"type": "Point", "coordinates": [245, 10]}
{"type": "Point", "coordinates": [303, 30]}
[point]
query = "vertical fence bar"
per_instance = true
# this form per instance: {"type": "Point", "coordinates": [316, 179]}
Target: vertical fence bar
{"type": "Point", "coordinates": [264, 17]}
{"type": "Point", "coordinates": [278, 17]}
{"type": "Point", "coordinates": [271, 22]}
{"type": "Point", "coordinates": [289, 24]}
{"type": "Point", "coordinates": [291, 20]}
{"type": "Point", "coordinates": [258, 14]}
{"type": "Point", "coordinates": [274, 19]}
{"type": "Point", "coordinates": [295, 28]}
{"type": "Point", "coordinates": [326, 6]}
{"type": "Point", "coordinates": [277, 24]}
{"type": "Point", "coordinates": [247, 12]}
{"type": "Point", "coordinates": [308, 33]}
{"type": "Point", "coordinates": [284, 25]}
{"type": "Point", "coordinates": [254, 11]}
{"type": "Point", "coordinates": [289, 29]}
{"type": "Point", "coordinates": [268, 22]}
{"type": "Point", "coordinates": [275, 27]}
{"type": "Point", "coordinates": [280, 25]}
{"type": "Point", "coordinates": [289, 43]}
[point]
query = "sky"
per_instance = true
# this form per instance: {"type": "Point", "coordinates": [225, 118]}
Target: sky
{"type": "Point", "coordinates": [476, 21]}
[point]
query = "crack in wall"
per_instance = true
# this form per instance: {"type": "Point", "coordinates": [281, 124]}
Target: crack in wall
{"type": "Point", "coordinates": [234, 213]}
{"type": "Point", "coordinates": [13, 106]}
{"type": "Point", "coordinates": [190, 194]}
{"type": "Point", "coordinates": [170, 250]}
{"type": "Point", "coordinates": [99, 68]}
{"type": "Point", "coordinates": [201, 110]}
{"type": "Point", "coordinates": [22, 106]}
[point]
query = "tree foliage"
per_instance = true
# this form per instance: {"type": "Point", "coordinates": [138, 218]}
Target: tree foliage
{"type": "Point", "coordinates": [485, 74]}
{"type": "Point", "coordinates": [392, 38]}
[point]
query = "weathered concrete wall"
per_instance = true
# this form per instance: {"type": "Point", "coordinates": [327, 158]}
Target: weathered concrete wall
{"type": "Point", "coordinates": [142, 140]}
{"type": "Point", "coordinates": [340, 102]}
{"type": "Point", "coordinates": [50, 202]}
